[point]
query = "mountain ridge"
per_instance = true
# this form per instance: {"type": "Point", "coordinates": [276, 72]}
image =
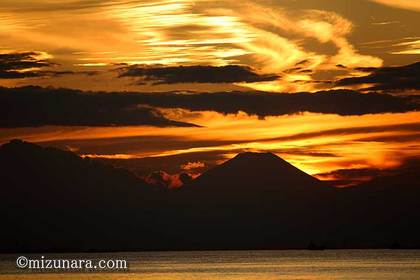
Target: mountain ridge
{"type": "Point", "coordinates": [55, 201]}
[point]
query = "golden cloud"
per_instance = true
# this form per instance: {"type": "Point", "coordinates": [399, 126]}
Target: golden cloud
{"type": "Point", "coordinates": [258, 34]}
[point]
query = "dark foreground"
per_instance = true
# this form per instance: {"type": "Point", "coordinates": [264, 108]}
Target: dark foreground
{"type": "Point", "coordinates": [56, 201]}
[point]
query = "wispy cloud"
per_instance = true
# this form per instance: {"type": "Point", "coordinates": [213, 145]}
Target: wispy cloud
{"type": "Point", "coordinates": [410, 47]}
{"type": "Point", "coordinates": [385, 22]}
{"type": "Point", "coordinates": [265, 36]}
{"type": "Point", "coordinates": [401, 4]}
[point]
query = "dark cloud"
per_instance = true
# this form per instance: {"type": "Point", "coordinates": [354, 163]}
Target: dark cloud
{"type": "Point", "coordinates": [351, 177]}
{"type": "Point", "coordinates": [405, 127]}
{"type": "Point", "coordinates": [66, 72]}
{"type": "Point", "coordinates": [35, 106]}
{"type": "Point", "coordinates": [130, 145]}
{"type": "Point", "coordinates": [303, 62]}
{"type": "Point", "coordinates": [354, 173]}
{"type": "Point", "coordinates": [32, 106]}
{"type": "Point", "coordinates": [194, 74]}
{"type": "Point", "coordinates": [388, 78]}
{"type": "Point", "coordinates": [304, 152]}
{"type": "Point", "coordinates": [164, 180]}
{"type": "Point", "coordinates": [355, 176]}
{"type": "Point", "coordinates": [262, 104]}
{"type": "Point", "coordinates": [20, 65]}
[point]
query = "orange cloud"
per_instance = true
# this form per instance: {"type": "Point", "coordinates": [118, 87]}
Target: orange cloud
{"type": "Point", "coordinates": [192, 165]}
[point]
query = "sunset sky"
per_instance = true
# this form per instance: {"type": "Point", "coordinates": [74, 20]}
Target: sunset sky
{"type": "Point", "coordinates": [329, 85]}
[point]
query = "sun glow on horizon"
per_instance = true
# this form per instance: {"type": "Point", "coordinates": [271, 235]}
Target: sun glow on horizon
{"type": "Point", "coordinates": [316, 143]}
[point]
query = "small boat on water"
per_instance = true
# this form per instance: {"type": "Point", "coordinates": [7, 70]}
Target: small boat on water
{"type": "Point", "coordinates": [314, 247]}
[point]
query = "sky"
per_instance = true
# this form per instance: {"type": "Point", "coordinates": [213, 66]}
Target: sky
{"type": "Point", "coordinates": [329, 85]}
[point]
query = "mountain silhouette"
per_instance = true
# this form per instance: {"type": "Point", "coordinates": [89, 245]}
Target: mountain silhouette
{"type": "Point", "coordinates": [258, 199]}
{"type": "Point", "coordinates": [250, 170]}
{"type": "Point", "coordinates": [66, 178]}
{"type": "Point", "coordinates": [55, 201]}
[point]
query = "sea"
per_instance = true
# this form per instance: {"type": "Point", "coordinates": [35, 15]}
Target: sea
{"type": "Point", "coordinates": [228, 265]}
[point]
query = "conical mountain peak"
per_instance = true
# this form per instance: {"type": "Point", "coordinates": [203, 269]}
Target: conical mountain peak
{"type": "Point", "coordinates": [257, 171]}
{"type": "Point", "coordinates": [255, 156]}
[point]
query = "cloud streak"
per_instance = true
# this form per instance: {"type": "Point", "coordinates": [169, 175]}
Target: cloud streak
{"type": "Point", "coordinates": [19, 65]}
{"type": "Point", "coordinates": [195, 74]}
